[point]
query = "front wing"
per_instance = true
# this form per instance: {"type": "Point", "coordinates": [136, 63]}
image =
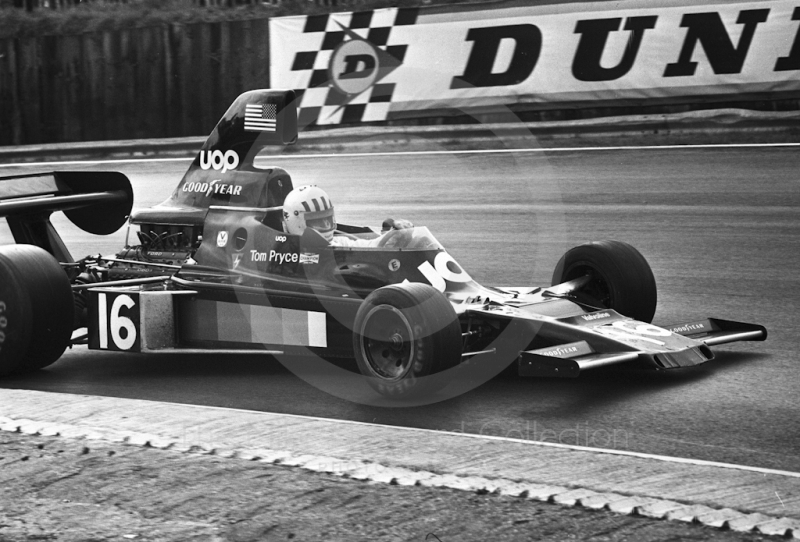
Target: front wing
{"type": "Point", "coordinates": [570, 359]}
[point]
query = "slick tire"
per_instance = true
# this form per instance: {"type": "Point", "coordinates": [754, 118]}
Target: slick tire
{"type": "Point", "coordinates": [36, 309]}
{"type": "Point", "coordinates": [621, 278]}
{"type": "Point", "coordinates": [404, 336]}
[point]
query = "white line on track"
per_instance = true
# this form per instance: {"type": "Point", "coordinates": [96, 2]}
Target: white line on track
{"type": "Point", "coordinates": [610, 451]}
{"type": "Point", "coordinates": [420, 153]}
{"type": "Point", "coordinates": [538, 150]}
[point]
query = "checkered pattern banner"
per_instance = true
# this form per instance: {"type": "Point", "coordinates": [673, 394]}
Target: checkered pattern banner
{"type": "Point", "coordinates": [461, 58]}
{"type": "Point", "coordinates": [314, 70]}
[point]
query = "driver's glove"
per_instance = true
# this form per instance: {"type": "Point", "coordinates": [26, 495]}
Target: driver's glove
{"type": "Point", "coordinates": [398, 224]}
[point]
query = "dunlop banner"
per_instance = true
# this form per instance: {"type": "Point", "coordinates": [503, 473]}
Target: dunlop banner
{"type": "Point", "coordinates": [374, 65]}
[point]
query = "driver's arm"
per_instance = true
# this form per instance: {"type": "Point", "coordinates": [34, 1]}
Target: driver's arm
{"type": "Point", "coordinates": [347, 241]}
{"type": "Point", "coordinates": [388, 225]}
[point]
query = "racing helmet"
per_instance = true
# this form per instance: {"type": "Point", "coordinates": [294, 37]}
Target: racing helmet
{"type": "Point", "coordinates": [309, 206]}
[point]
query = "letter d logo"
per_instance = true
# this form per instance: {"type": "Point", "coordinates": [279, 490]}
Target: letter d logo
{"type": "Point", "coordinates": [527, 40]}
{"type": "Point", "coordinates": [354, 67]}
{"type": "Point", "coordinates": [358, 67]}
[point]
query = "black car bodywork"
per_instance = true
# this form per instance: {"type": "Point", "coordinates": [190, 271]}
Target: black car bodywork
{"type": "Point", "coordinates": [215, 272]}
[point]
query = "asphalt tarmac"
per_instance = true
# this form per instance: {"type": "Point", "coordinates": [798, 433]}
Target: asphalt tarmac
{"type": "Point", "coordinates": [718, 225]}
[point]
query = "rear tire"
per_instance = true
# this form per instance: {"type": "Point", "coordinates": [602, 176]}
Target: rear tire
{"type": "Point", "coordinates": [621, 278]}
{"type": "Point", "coordinates": [37, 309]}
{"type": "Point", "coordinates": [404, 334]}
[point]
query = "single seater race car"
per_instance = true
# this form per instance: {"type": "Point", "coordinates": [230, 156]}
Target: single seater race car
{"type": "Point", "coordinates": [215, 272]}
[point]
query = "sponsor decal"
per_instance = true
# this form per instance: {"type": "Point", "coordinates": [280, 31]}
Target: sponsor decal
{"type": "Point", "coordinates": [357, 64]}
{"type": "Point", "coordinates": [629, 330]}
{"type": "Point", "coordinates": [214, 187]}
{"type": "Point", "coordinates": [473, 57]}
{"type": "Point", "coordinates": [282, 257]}
{"type": "Point", "coordinates": [343, 60]}
{"type": "Point", "coordinates": [309, 258]}
{"type": "Point", "coordinates": [237, 259]}
{"type": "Point", "coordinates": [690, 328]}
{"type": "Point", "coordinates": [595, 316]}
{"type": "Point", "coordinates": [222, 239]}
{"type": "Point", "coordinates": [280, 238]}
{"type": "Point", "coordinates": [559, 352]}
{"type": "Point", "coordinates": [394, 265]}
{"type": "Point", "coordinates": [218, 161]}
{"type": "Point", "coordinates": [260, 117]}
{"type": "Point", "coordinates": [565, 351]}
{"type": "Point", "coordinates": [527, 40]}
{"type": "Point", "coordinates": [256, 256]}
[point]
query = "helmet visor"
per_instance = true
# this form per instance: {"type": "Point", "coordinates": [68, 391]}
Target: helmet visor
{"type": "Point", "coordinates": [322, 224]}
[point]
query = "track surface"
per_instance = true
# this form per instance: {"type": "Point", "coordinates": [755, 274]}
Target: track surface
{"type": "Point", "coordinates": [719, 227]}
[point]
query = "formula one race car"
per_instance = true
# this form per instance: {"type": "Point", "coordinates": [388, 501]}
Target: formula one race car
{"type": "Point", "coordinates": [215, 272]}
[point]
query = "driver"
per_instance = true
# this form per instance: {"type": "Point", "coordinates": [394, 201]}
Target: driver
{"type": "Point", "coordinates": [309, 206]}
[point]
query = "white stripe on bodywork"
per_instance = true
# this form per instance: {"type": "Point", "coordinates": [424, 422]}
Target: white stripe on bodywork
{"type": "Point", "coordinates": [258, 324]}
{"type": "Point", "coordinates": [317, 329]}
{"type": "Point", "coordinates": [102, 320]}
{"type": "Point", "coordinates": [265, 325]}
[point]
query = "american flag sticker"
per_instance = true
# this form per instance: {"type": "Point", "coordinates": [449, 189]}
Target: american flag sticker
{"type": "Point", "coordinates": [260, 117]}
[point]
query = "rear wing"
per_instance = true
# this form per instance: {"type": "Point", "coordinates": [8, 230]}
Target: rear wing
{"type": "Point", "coordinates": [98, 202]}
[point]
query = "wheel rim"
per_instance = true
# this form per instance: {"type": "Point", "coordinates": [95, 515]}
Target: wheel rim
{"type": "Point", "coordinates": [387, 343]}
{"type": "Point", "coordinates": [597, 288]}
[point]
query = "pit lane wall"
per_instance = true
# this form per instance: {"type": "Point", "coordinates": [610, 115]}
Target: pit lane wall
{"type": "Point", "coordinates": [403, 62]}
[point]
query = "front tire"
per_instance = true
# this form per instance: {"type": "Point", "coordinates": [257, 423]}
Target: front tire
{"type": "Point", "coordinates": [36, 309]}
{"type": "Point", "coordinates": [621, 278]}
{"type": "Point", "coordinates": [404, 334]}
